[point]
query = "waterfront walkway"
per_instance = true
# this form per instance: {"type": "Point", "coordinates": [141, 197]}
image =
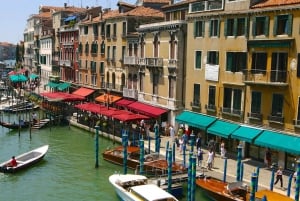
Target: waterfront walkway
{"type": "Point", "coordinates": [250, 166]}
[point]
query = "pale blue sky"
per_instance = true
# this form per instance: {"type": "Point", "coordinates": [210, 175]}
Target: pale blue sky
{"type": "Point", "coordinates": [14, 13]}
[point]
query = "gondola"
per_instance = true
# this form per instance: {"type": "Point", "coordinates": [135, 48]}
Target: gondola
{"type": "Point", "coordinates": [22, 124]}
{"type": "Point", "coordinates": [25, 160]}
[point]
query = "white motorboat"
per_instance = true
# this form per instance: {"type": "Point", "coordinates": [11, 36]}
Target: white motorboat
{"type": "Point", "coordinates": [131, 187]}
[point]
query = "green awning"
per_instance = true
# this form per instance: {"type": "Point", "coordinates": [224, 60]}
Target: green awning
{"type": "Point", "coordinates": [63, 86]}
{"type": "Point", "coordinates": [52, 84]}
{"type": "Point", "coordinates": [245, 133]}
{"type": "Point", "coordinates": [33, 76]}
{"type": "Point", "coordinates": [279, 141]}
{"type": "Point", "coordinates": [271, 43]}
{"type": "Point", "coordinates": [195, 119]}
{"type": "Point", "coordinates": [222, 128]}
{"type": "Point", "coordinates": [18, 78]}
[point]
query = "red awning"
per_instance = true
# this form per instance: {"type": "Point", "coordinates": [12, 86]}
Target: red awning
{"type": "Point", "coordinates": [108, 98]}
{"type": "Point", "coordinates": [61, 96]}
{"type": "Point", "coordinates": [92, 107]}
{"type": "Point", "coordinates": [129, 117]}
{"type": "Point", "coordinates": [114, 111]}
{"type": "Point", "coordinates": [124, 102]}
{"type": "Point", "coordinates": [146, 109]}
{"type": "Point", "coordinates": [83, 91]}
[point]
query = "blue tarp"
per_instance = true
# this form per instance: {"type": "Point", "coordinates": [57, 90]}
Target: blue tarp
{"type": "Point", "coordinates": [70, 18]}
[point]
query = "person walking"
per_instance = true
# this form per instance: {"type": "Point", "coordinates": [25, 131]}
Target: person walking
{"type": "Point", "coordinates": [279, 177]}
{"type": "Point", "coordinates": [222, 148]}
{"type": "Point", "coordinates": [172, 133]}
{"type": "Point", "coordinates": [210, 159]}
{"type": "Point", "coordinates": [200, 157]}
{"type": "Point", "coordinates": [198, 141]}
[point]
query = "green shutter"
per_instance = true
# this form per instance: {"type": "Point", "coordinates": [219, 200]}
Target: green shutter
{"type": "Point", "coordinates": [235, 23]}
{"type": "Point", "coordinates": [290, 25]}
{"type": "Point", "coordinates": [218, 28]}
{"type": "Point", "coordinates": [275, 26]}
{"type": "Point", "coordinates": [203, 28]}
{"type": "Point", "coordinates": [254, 26]}
{"type": "Point", "coordinates": [246, 27]}
{"type": "Point", "coordinates": [198, 59]}
{"type": "Point", "coordinates": [225, 27]}
{"type": "Point", "coordinates": [267, 22]}
{"type": "Point", "coordinates": [229, 61]}
{"type": "Point", "coordinates": [210, 28]}
{"type": "Point", "coordinates": [195, 25]}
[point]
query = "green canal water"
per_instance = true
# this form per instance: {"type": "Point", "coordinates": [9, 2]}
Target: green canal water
{"type": "Point", "coordinates": [67, 172]}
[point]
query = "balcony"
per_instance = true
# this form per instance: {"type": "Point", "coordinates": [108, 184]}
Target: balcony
{"type": "Point", "coordinates": [142, 61]}
{"type": "Point", "coordinates": [211, 108]}
{"type": "Point", "coordinates": [205, 6]}
{"type": "Point", "coordinates": [130, 93]}
{"type": "Point", "coordinates": [130, 60]}
{"type": "Point", "coordinates": [261, 77]}
{"type": "Point", "coordinates": [66, 63]}
{"type": "Point", "coordinates": [154, 62]}
{"type": "Point", "coordinates": [232, 112]}
{"type": "Point", "coordinates": [276, 118]}
{"type": "Point", "coordinates": [255, 116]}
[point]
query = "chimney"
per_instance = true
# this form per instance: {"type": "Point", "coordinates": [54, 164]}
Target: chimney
{"type": "Point", "coordinates": [65, 5]}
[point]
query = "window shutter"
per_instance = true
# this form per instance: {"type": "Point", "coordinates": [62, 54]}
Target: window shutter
{"type": "Point", "coordinates": [218, 28]}
{"type": "Point", "coordinates": [210, 28]}
{"type": "Point", "coordinates": [235, 22]}
{"type": "Point", "coordinates": [275, 26]}
{"type": "Point", "coordinates": [195, 26]}
{"type": "Point", "coordinates": [229, 61]}
{"type": "Point", "coordinates": [267, 22]}
{"type": "Point", "coordinates": [254, 26]}
{"type": "Point", "coordinates": [217, 58]}
{"type": "Point", "coordinates": [290, 25]}
{"type": "Point", "coordinates": [203, 28]}
{"type": "Point", "coordinates": [225, 27]}
{"type": "Point", "coordinates": [246, 27]}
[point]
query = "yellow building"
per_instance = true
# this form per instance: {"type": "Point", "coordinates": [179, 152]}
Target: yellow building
{"type": "Point", "coordinates": [242, 69]}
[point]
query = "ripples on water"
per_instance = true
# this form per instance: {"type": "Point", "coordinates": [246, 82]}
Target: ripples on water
{"type": "Point", "coordinates": [67, 172]}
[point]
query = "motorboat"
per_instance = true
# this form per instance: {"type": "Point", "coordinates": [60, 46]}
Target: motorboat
{"type": "Point", "coordinates": [25, 160]}
{"type": "Point", "coordinates": [131, 187]}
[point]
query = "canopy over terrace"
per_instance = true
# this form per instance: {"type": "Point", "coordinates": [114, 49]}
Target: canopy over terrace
{"type": "Point", "coordinates": [61, 96]}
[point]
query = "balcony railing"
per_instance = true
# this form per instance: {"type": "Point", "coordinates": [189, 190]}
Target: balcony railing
{"type": "Point", "coordinates": [154, 62]}
{"type": "Point", "coordinates": [130, 60]}
{"type": "Point", "coordinates": [65, 63]}
{"type": "Point", "coordinates": [255, 116]}
{"type": "Point", "coordinates": [172, 63]}
{"type": "Point", "coordinates": [211, 108]}
{"type": "Point", "coordinates": [205, 6]}
{"type": "Point", "coordinates": [274, 118]}
{"type": "Point", "coordinates": [232, 111]}
{"type": "Point", "coordinates": [262, 76]}
{"type": "Point", "coordinates": [130, 93]}
{"type": "Point", "coordinates": [142, 61]}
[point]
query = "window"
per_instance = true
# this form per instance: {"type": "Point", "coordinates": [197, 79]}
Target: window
{"type": "Point", "coordinates": [242, 27]}
{"type": "Point", "coordinates": [123, 52]}
{"type": "Point", "coordinates": [108, 52]}
{"type": "Point", "coordinates": [114, 30]}
{"type": "Point", "coordinates": [259, 62]}
{"type": "Point", "coordinates": [142, 77]}
{"type": "Point", "coordinates": [142, 47]}
{"type": "Point", "coordinates": [172, 86]}
{"type": "Point", "coordinates": [86, 30]}
{"type": "Point", "coordinates": [229, 27]}
{"type": "Point", "coordinates": [155, 46]}
{"type": "Point", "coordinates": [256, 102]}
{"type": "Point", "coordinates": [283, 25]}
{"type": "Point", "coordinates": [124, 29]}
{"type": "Point", "coordinates": [279, 66]}
{"type": "Point", "coordinates": [199, 29]}
{"type": "Point", "coordinates": [298, 65]}
{"type": "Point", "coordinates": [87, 48]}
{"type": "Point", "coordinates": [232, 102]}
{"type": "Point", "coordinates": [214, 28]}
{"type": "Point", "coordinates": [95, 29]}
{"type": "Point", "coordinates": [114, 52]}
{"type": "Point", "coordinates": [155, 83]}
{"type": "Point", "coordinates": [198, 60]}
{"type": "Point", "coordinates": [236, 61]}
{"type": "Point", "coordinates": [101, 68]}
{"type": "Point", "coordinates": [172, 47]}
{"type": "Point", "coordinates": [102, 50]}
{"type": "Point", "coordinates": [196, 97]}
{"type": "Point", "coordinates": [212, 97]}
{"type": "Point", "coordinates": [260, 26]}
{"type": "Point", "coordinates": [277, 105]}
{"type": "Point", "coordinates": [213, 58]}
{"type": "Point", "coordinates": [108, 31]}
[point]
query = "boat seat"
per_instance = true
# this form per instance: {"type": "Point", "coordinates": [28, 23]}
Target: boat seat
{"type": "Point", "coordinates": [20, 162]}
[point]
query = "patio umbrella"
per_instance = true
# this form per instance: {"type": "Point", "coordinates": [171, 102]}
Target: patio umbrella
{"type": "Point", "coordinates": [18, 78]}
{"type": "Point", "coordinates": [33, 76]}
{"type": "Point", "coordinates": [12, 72]}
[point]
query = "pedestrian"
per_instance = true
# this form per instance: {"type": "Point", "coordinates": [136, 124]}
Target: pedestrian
{"type": "Point", "coordinates": [34, 118]}
{"type": "Point", "coordinates": [210, 158]}
{"type": "Point", "coordinates": [200, 157]}
{"type": "Point", "coordinates": [198, 141]}
{"type": "Point", "coordinates": [222, 148]}
{"type": "Point", "coordinates": [172, 133]}
{"type": "Point", "coordinates": [268, 157]}
{"type": "Point", "coordinates": [180, 144]}
{"type": "Point", "coordinates": [279, 176]}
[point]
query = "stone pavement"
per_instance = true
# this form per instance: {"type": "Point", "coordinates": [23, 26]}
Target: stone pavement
{"type": "Point", "coordinates": [250, 166]}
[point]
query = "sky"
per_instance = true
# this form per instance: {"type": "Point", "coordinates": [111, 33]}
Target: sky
{"type": "Point", "coordinates": [14, 14]}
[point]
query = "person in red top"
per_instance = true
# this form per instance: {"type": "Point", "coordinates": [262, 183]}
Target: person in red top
{"type": "Point", "coordinates": [13, 162]}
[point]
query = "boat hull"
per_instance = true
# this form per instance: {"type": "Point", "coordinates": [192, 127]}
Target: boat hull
{"type": "Point", "coordinates": [25, 160]}
{"type": "Point", "coordinates": [14, 126]}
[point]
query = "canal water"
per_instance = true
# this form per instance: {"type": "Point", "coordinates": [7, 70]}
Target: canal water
{"type": "Point", "coordinates": [67, 172]}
